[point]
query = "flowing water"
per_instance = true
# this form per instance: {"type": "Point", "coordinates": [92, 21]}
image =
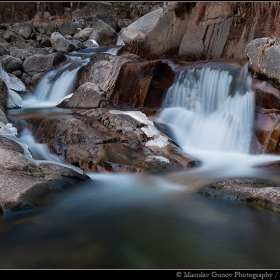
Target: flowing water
{"type": "Point", "coordinates": [132, 221]}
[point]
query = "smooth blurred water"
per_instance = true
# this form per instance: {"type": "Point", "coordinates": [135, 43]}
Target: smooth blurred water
{"type": "Point", "coordinates": [159, 221]}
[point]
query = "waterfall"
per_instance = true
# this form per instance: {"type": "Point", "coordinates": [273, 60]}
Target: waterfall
{"type": "Point", "coordinates": [210, 113]}
{"type": "Point", "coordinates": [211, 109]}
{"type": "Point", "coordinates": [55, 85]}
{"type": "Point", "coordinates": [59, 83]}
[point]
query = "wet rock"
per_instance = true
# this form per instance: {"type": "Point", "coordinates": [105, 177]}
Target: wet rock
{"type": "Point", "coordinates": [264, 54]}
{"type": "Point", "coordinates": [24, 184]}
{"type": "Point", "coordinates": [256, 192]}
{"type": "Point", "coordinates": [87, 95]}
{"type": "Point", "coordinates": [100, 141]}
{"type": "Point", "coordinates": [103, 70]}
{"type": "Point", "coordinates": [141, 85]}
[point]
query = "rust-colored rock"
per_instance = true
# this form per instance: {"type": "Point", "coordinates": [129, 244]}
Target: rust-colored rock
{"type": "Point", "coordinates": [99, 141]}
{"type": "Point", "coordinates": [142, 85]}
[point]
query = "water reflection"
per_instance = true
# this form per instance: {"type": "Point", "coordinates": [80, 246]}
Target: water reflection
{"type": "Point", "coordinates": [121, 221]}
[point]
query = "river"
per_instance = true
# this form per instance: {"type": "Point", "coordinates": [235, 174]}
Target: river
{"type": "Point", "coordinates": [155, 221]}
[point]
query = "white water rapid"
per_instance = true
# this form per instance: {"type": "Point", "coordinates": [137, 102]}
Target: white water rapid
{"type": "Point", "coordinates": [59, 83]}
{"type": "Point", "coordinates": [211, 113]}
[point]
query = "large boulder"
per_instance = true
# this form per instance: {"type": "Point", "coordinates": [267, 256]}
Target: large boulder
{"type": "Point", "coordinates": [264, 57]}
{"type": "Point", "coordinates": [10, 63]}
{"type": "Point", "coordinates": [103, 33]}
{"type": "Point", "coordinates": [84, 34]}
{"type": "Point", "coordinates": [142, 84]}
{"type": "Point", "coordinates": [103, 70]}
{"type": "Point", "coordinates": [256, 192]}
{"type": "Point", "coordinates": [24, 182]}
{"type": "Point", "coordinates": [36, 66]}
{"type": "Point", "coordinates": [68, 27]}
{"type": "Point", "coordinates": [60, 43]}
{"type": "Point", "coordinates": [100, 140]}
{"type": "Point", "coordinates": [141, 27]}
{"type": "Point", "coordinates": [87, 95]}
{"type": "Point", "coordinates": [266, 128]}
{"type": "Point", "coordinates": [42, 63]}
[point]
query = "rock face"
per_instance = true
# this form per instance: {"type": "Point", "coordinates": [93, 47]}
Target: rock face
{"type": "Point", "coordinates": [201, 30]}
{"type": "Point", "coordinates": [142, 85]}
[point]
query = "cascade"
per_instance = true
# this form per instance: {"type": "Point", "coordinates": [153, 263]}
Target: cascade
{"type": "Point", "coordinates": [59, 83]}
{"type": "Point", "coordinates": [207, 113]}
{"type": "Point", "coordinates": [211, 113]}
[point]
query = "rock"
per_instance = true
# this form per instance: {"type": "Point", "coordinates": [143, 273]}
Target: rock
{"type": "Point", "coordinates": [8, 34]}
{"type": "Point", "coordinates": [3, 95]}
{"type": "Point", "coordinates": [41, 63]}
{"type": "Point", "coordinates": [141, 84]}
{"type": "Point", "coordinates": [124, 22]}
{"type": "Point", "coordinates": [83, 35]}
{"type": "Point", "coordinates": [14, 85]}
{"type": "Point", "coordinates": [264, 54]}
{"type": "Point", "coordinates": [256, 192]}
{"type": "Point", "coordinates": [87, 95]}
{"type": "Point", "coordinates": [23, 29]}
{"type": "Point", "coordinates": [108, 19]}
{"type": "Point", "coordinates": [4, 51]}
{"type": "Point", "coordinates": [141, 27]}
{"type": "Point", "coordinates": [3, 117]}
{"type": "Point", "coordinates": [25, 183]}
{"type": "Point", "coordinates": [14, 100]}
{"type": "Point", "coordinates": [68, 27]}
{"type": "Point", "coordinates": [103, 70]}
{"type": "Point", "coordinates": [10, 63]}
{"type": "Point", "coordinates": [100, 141]}
{"type": "Point", "coordinates": [60, 43]}
{"type": "Point", "coordinates": [102, 33]}
{"type": "Point", "coordinates": [91, 9]}
{"type": "Point", "coordinates": [47, 29]}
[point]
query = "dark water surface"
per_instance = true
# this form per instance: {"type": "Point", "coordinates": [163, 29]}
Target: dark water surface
{"type": "Point", "coordinates": [135, 222]}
